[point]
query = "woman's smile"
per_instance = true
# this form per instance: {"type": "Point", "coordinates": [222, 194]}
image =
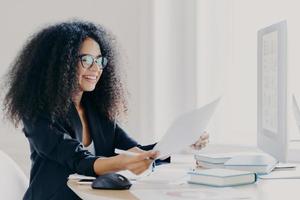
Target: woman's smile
{"type": "Point", "coordinates": [90, 78]}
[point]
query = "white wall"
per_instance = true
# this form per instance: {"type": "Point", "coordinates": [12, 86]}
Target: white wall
{"type": "Point", "coordinates": [227, 55]}
{"type": "Point", "coordinates": [179, 54]}
{"type": "Point", "coordinates": [174, 49]}
{"type": "Point", "coordinates": [214, 62]}
{"type": "Point", "coordinates": [126, 19]}
{"type": "Point", "coordinates": [157, 44]}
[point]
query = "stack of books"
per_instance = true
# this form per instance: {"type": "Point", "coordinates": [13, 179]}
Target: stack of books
{"type": "Point", "coordinates": [256, 163]}
{"type": "Point", "coordinates": [221, 177]}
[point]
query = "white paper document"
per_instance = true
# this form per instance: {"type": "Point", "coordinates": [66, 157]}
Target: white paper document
{"type": "Point", "coordinates": [293, 173]}
{"type": "Point", "coordinates": [78, 177]}
{"type": "Point", "coordinates": [186, 129]}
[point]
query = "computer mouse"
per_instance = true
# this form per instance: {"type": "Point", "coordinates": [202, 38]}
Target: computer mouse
{"type": "Point", "coordinates": [111, 181]}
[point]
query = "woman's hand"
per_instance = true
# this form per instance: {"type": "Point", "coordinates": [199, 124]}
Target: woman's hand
{"type": "Point", "coordinates": [139, 163]}
{"type": "Point", "coordinates": [201, 142]}
{"type": "Point", "coordinates": [136, 164]}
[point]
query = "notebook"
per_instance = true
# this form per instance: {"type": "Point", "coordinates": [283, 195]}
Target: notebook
{"type": "Point", "coordinates": [221, 177]}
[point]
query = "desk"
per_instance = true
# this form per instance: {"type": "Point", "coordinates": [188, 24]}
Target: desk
{"type": "Point", "coordinates": [169, 182]}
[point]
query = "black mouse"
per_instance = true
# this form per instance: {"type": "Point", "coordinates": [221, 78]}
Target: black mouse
{"type": "Point", "coordinates": [111, 181]}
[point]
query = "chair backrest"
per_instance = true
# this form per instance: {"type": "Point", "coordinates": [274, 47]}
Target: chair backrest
{"type": "Point", "coordinates": [13, 182]}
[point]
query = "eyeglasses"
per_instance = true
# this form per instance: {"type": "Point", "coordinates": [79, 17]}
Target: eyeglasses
{"type": "Point", "coordinates": [87, 61]}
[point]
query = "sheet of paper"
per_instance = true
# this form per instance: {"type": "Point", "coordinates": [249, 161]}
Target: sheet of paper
{"type": "Point", "coordinates": [78, 177]}
{"type": "Point", "coordinates": [186, 129]}
{"type": "Point", "coordinates": [293, 173]}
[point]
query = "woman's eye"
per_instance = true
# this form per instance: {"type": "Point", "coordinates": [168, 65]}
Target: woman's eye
{"type": "Point", "coordinates": [87, 60]}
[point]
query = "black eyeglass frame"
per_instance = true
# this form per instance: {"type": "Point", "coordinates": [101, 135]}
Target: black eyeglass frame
{"type": "Point", "coordinates": [104, 61]}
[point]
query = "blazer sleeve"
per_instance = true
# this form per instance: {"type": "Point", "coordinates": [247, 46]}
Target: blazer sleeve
{"type": "Point", "coordinates": [51, 141]}
{"type": "Point", "coordinates": [158, 161]}
{"type": "Point", "coordinates": [122, 140]}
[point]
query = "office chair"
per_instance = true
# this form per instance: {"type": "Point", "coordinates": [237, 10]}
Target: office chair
{"type": "Point", "coordinates": [13, 182]}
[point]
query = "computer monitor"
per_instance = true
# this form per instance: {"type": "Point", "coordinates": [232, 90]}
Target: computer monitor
{"type": "Point", "coordinates": [296, 112]}
{"type": "Point", "coordinates": [272, 90]}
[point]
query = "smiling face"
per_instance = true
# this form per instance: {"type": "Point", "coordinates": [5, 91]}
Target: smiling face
{"type": "Point", "coordinates": [88, 77]}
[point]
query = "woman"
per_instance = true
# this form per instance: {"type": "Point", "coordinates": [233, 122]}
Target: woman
{"type": "Point", "coordinates": [65, 88]}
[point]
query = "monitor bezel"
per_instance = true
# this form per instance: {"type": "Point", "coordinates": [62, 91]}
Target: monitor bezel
{"type": "Point", "coordinates": [270, 142]}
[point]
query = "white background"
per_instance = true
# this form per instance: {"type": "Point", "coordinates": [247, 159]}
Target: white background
{"type": "Point", "coordinates": [178, 55]}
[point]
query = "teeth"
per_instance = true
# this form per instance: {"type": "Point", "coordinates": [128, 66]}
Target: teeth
{"type": "Point", "coordinates": [91, 77]}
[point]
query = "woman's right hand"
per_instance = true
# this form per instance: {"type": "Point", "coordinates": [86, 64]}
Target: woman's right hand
{"type": "Point", "coordinates": [137, 164]}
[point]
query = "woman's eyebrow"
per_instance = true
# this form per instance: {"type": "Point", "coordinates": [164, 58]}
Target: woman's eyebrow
{"type": "Point", "coordinates": [99, 55]}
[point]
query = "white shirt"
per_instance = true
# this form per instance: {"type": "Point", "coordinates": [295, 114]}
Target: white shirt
{"type": "Point", "coordinates": [91, 148]}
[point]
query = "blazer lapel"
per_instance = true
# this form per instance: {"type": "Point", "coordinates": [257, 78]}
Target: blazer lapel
{"type": "Point", "coordinates": [94, 126]}
{"type": "Point", "coordinates": [99, 131]}
{"type": "Point", "coordinates": [75, 122]}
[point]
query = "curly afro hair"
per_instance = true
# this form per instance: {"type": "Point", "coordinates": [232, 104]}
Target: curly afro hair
{"type": "Point", "coordinates": [44, 74]}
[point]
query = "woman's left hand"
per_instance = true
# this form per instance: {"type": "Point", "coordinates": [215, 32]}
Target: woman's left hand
{"type": "Point", "coordinates": [201, 142]}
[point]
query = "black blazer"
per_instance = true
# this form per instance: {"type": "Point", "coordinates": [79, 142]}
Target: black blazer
{"type": "Point", "coordinates": [57, 151]}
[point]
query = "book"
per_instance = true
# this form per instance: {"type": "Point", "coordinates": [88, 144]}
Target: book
{"type": "Point", "coordinates": [209, 165]}
{"type": "Point", "coordinates": [221, 177]}
{"type": "Point", "coordinates": [214, 158]}
{"type": "Point", "coordinates": [257, 163]}
{"type": "Point", "coordinates": [261, 163]}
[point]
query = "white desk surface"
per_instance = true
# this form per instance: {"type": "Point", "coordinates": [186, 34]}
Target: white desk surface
{"type": "Point", "coordinates": [169, 182]}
